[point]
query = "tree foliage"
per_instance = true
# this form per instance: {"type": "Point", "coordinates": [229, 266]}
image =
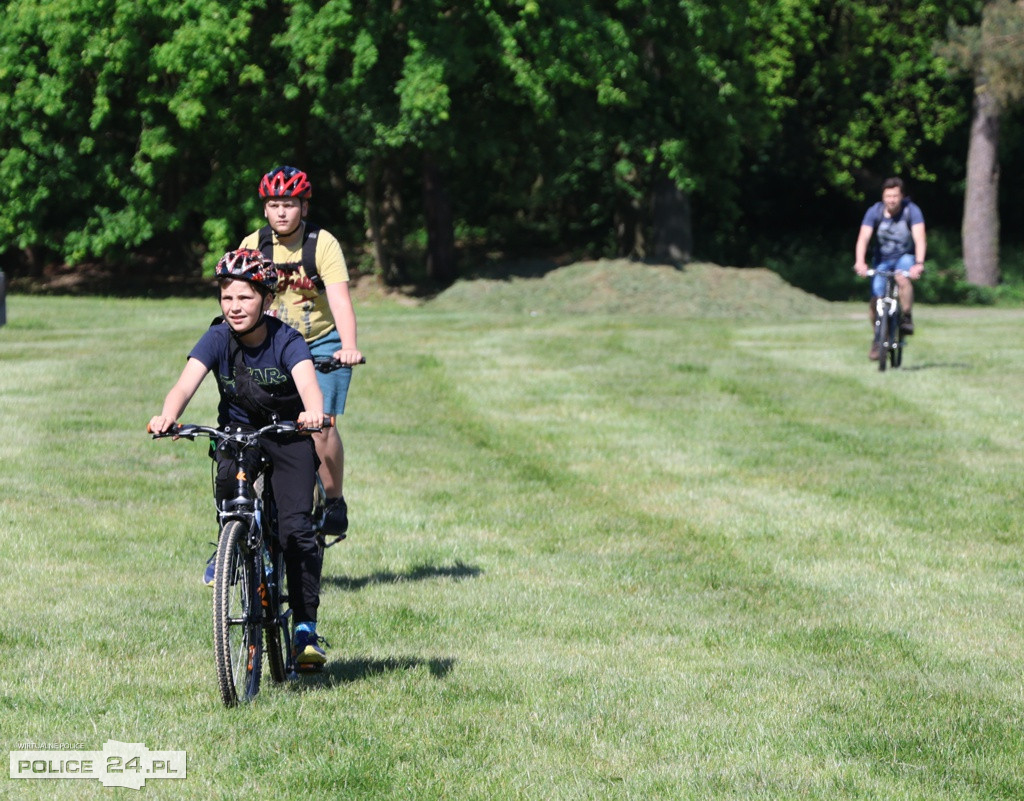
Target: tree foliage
{"type": "Point", "coordinates": [133, 126]}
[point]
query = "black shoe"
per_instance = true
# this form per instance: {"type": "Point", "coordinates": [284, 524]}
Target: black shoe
{"type": "Point", "coordinates": [336, 518]}
{"type": "Point", "coordinates": [907, 324]}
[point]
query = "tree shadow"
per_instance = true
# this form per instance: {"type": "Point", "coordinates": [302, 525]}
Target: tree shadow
{"type": "Point", "coordinates": [504, 269]}
{"type": "Point", "coordinates": [458, 571]}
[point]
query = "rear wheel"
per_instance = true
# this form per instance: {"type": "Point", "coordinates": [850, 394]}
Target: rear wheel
{"type": "Point", "coordinates": [237, 617]}
{"type": "Point", "coordinates": [279, 646]}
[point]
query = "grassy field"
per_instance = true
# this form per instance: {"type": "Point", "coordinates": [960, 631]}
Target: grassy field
{"type": "Point", "coordinates": [618, 533]}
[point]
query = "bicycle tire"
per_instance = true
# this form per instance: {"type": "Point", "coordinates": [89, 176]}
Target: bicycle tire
{"type": "Point", "coordinates": [237, 617]}
{"type": "Point", "coordinates": [896, 354]}
{"type": "Point", "coordinates": [276, 628]}
{"type": "Point", "coordinates": [883, 341]}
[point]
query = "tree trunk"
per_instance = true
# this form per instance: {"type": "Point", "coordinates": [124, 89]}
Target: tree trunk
{"type": "Point", "coordinates": [980, 229]}
{"type": "Point", "coordinates": [673, 228]}
{"type": "Point", "coordinates": [437, 208]}
{"type": "Point", "coordinates": [383, 211]}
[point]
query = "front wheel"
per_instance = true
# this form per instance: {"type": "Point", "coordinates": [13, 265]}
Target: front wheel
{"type": "Point", "coordinates": [896, 350]}
{"type": "Point", "coordinates": [237, 617]}
{"type": "Point", "coordinates": [883, 340]}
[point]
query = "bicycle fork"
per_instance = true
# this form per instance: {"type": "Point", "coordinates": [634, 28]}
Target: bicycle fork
{"type": "Point", "coordinates": [885, 308]}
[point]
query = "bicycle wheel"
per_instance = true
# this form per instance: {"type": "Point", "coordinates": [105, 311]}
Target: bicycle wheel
{"type": "Point", "coordinates": [896, 354]}
{"type": "Point", "coordinates": [883, 340]}
{"type": "Point", "coordinates": [278, 633]}
{"type": "Point", "coordinates": [319, 504]}
{"type": "Point", "coordinates": [237, 617]}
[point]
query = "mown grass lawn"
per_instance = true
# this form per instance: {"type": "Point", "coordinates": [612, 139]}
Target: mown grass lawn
{"type": "Point", "coordinates": [593, 555]}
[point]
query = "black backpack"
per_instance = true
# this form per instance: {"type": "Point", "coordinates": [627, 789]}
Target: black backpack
{"type": "Point", "coordinates": [264, 406]}
{"type": "Point", "coordinates": [309, 239]}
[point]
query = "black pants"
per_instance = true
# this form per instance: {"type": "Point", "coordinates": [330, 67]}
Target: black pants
{"type": "Point", "coordinates": [292, 475]}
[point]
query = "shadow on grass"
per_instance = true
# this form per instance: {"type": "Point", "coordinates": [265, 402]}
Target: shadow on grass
{"type": "Point", "coordinates": [352, 670]}
{"type": "Point", "coordinates": [936, 366]}
{"type": "Point", "coordinates": [459, 570]}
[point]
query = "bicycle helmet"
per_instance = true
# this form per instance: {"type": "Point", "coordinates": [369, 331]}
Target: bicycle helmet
{"type": "Point", "coordinates": [286, 182]}
{"type": "Point", "coordinates": [248, 265]}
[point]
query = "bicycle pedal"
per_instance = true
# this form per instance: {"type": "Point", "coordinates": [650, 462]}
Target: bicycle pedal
{"type": "Point", "coordinates": [302, 669]}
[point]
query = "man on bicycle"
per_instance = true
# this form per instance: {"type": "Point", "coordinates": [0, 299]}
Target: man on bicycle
{"type": "Point", "coordinates": [900, 244]}
{"type": "Point", "coordinates": [313, 298]}
{"type": "Point", "coordinates": [264, 369]}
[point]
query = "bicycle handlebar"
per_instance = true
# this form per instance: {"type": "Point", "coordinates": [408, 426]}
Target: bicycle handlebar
{"type": "Point", "coordinates": [192, 430]}
{"type": "Point", "coordinates": [328, 364]}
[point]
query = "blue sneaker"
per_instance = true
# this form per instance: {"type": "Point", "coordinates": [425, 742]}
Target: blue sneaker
{"type": "Point", "coordinates": [208, 573]}
{"type": "Point", "coordinates": [308, 653]}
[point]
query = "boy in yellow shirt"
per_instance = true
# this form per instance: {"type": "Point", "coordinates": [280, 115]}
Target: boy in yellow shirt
{"type": "Point", "coordinates": [312, 297]}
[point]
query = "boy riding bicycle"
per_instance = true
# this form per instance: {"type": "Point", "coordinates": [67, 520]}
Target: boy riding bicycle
{"type": "Point", "coordinates": [314, 298]}
{"type": "Point", "coordinates": [264, 370]}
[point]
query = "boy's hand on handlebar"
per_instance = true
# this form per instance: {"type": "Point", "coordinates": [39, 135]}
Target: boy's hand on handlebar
{"type": "Point", "coordinates": [309, 420]}
{"type": "Point", "coordinates": [314, 422]}
{"type": "Point", "coordinates": [861, 268]}
{"type": "Point", "coordinates": [349, 356]}
{"type": "Point", "coordinates": [160, 424]}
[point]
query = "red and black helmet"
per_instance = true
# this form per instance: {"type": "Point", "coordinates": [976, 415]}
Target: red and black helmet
{"type": "Point", "coordinates": [286, 182]}
{"type": "Point", "coordinates": [248, 265]}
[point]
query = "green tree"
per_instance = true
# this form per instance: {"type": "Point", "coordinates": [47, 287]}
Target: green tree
{"type": "Point", "coordinates": [125, 122]}
{"type": "Point", "coordinates": [992, 53]}
{"type": "Point", "coordinates": [134, 127]}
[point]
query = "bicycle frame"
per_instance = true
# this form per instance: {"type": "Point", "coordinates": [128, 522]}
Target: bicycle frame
{"type": "Point", "coordinates": [248, 505]}
{"type": "Point", "coordinates": [888, 315]}
{"type": "Point", "coordinates": [249, 513]}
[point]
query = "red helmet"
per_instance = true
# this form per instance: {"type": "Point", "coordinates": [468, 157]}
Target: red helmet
{"type": "Point", "coordinates": [286, 182]}
{"type": "Point", "coordinates": [248, 265]}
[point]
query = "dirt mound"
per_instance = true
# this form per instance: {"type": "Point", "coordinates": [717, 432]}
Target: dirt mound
{"type": "Point", "coordinates": [610, 286]}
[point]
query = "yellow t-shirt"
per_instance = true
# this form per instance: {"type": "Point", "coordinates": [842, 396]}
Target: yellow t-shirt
{"type": "Point", "coordinates": [297, 301]}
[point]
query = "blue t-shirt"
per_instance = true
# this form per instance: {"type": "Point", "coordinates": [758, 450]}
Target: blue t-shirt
{"type": "Point", "coordinates": [270, 364]}
{"type": "Point", "coordinates": [893, 237]}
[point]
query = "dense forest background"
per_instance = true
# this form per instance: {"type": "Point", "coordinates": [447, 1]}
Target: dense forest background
{"type": "Point", "coordinates": [441, 136]}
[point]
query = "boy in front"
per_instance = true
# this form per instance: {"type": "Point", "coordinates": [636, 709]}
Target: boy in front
{"type": "Point", "coordinates": [277, 361]}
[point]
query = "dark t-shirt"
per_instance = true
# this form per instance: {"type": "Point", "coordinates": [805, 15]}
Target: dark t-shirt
{"type": "Point", "coordinates": [893, 237]}
{"type": "Point", "coordinates": [270, 364]}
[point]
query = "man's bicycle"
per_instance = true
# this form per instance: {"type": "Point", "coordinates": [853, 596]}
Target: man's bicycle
{"type": "Point", "coordinates": [888, 316]}
{"type": "Point", "coordinates": [250, 589]}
